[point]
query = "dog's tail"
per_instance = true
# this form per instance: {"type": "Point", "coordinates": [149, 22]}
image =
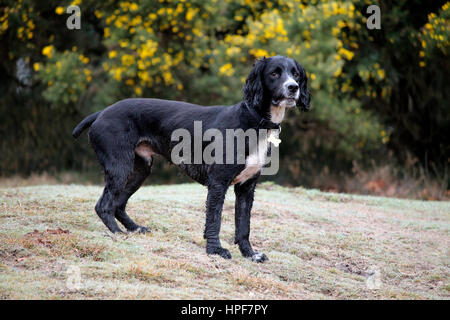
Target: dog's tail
{"type": "Point", "coordinates": [84, 124]}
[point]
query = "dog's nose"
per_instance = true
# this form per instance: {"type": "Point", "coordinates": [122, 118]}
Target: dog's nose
{"type": "Point", "coordinates": [293, 88]}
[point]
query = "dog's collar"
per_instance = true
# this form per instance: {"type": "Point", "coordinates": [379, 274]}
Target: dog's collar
{"type": "Point", "coordinates": [262, 122]}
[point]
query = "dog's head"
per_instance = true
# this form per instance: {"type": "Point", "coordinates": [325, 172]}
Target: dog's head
{"type": "Point", "coordinates": [277, 81]}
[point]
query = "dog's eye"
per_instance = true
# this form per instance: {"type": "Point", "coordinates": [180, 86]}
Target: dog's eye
{"type": "Point", "coordinates": [275, 74]}
{"type": "Point", "coordinates": [296, 74]}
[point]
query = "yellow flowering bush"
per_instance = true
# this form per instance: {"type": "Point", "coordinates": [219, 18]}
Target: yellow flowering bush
{"type": "Point", "coordinates": [435, 34]}
{"type": "Point", "coordinates": [361, 80]}
{"type": "Point", "coordinates": [60, 67]}
{"type": "Point", "coordinates": [305, 33]}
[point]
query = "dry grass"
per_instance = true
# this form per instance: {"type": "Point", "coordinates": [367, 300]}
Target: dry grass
{"type": "Point", "coordinates": [320, 245]}
{"type": "Point", "coordinates": [411, 182]}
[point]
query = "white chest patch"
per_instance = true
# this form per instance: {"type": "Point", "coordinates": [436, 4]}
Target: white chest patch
{"type": "Point", "coordinates": [277, 113]}
{"type": "Point", "coordinates": [256, 160]}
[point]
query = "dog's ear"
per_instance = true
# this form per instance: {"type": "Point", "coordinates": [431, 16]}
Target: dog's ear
{"type": "Point", "coordinates": [253, 89]}
{"type": "Point", "coordinates": [305, 96]}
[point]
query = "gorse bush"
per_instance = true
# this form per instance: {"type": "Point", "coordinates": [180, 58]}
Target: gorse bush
{"type": "Point", "coordinates": [202, 51]}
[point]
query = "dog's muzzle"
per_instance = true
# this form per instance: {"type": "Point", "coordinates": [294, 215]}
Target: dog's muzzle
{"type": "Point", "coordinates": [289, 96]}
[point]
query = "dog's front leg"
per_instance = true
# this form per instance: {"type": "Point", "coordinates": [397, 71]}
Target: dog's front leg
{"type": "Point", "coordinates": [214, 204]}
{"type": "Point", "coordinates": [243, 206]}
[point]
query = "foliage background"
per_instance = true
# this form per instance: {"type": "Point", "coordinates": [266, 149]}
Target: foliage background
{"type": "Point", "coordinates": [379, 96]}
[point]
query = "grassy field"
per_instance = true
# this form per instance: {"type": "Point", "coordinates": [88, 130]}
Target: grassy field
{"type": "Point", "coordinates": [320, 246]}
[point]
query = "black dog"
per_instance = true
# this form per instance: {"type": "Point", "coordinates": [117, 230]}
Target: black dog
{"type": "Point", "coordinates": [126, 135]}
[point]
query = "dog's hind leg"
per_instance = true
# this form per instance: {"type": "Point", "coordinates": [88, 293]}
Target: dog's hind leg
{"type": "Point", "coordinates": [214, 204]}
{"type": "Point", "coordinates": [243, 206]}
{"type": "Point", "coordinates": [141, 171]}
{"type": "Point", "coordinates": [105, 209]}
{"type": "Point", "coordinates": [116, 174]}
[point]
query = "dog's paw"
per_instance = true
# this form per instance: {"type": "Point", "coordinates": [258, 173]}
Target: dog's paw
{"type": "Point", "coordinates": [140, 230]}
{"type": "Point", "coordinates": [224, 253]}
{"type": "Point", "coordinates": [143, 230]}
{"type": "Point", "coordinates": [259, 257]}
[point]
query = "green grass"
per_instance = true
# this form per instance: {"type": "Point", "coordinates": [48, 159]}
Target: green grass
{"type": "Point", "coordinates": [320, 246]}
